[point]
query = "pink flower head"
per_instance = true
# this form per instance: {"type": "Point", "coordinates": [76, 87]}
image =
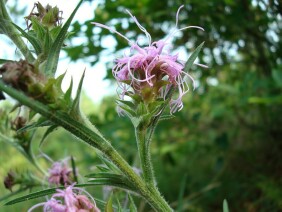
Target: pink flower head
{"type": "Point", "coordinates": [69, 200]}
{"type": "Point", "coordinates": [151, 71]}
{"type": "Point", "coordinates": [60, 173]}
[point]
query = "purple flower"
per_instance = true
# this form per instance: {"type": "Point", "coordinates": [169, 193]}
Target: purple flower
{"type": "Point", "coordinates": [69, 200]}
{"type": "Point", "coordinates": [60, 173]}
{"type": "Point", "coordinates": [151, 71]}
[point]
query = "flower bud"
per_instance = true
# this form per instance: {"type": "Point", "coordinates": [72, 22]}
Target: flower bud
{"type": "Point", "coordinates": [60, 174]}
{"type": "Point", "coordinates": [9, 180]}
{"type": "Point", "coordinates": [48, 16]}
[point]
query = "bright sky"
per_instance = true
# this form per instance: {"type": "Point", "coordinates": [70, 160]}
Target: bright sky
{"type": "Point", "coordinates": [94, 85]}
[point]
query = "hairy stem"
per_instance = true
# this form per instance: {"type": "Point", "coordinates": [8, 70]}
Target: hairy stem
{"type": "Point", "coordinates": [88, 135]}
{"type": "Point", "coordinates": [145, 156]}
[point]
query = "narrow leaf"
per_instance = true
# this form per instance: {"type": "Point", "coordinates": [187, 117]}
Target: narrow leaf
{"type": "Point", "coordinates": [53, 57]}
{"type": "Point", "coordinates": [47, 41]}
{"type": "Point", "coordinates": [225, 206]}
{"type": "Point", "coordinates": [67, 95]}
{"type": "Point", "coordinates": [118, 205]}
{"type": "Point", "coordinates": [33, 196]}
{"type": "Point", "coordinates": [75, 108]}
{"type": "Point", "coordinates": [181, 192]}
{"type": "Point", "coordinates": [74, 169]}
{"type": "Point", "coordinates": [132, 206]}
{"type": "Point", "coordinates": [128, 103]}
{"type": "Point", "coordinates": [108, 163]}
{"type": "Point", "coordinates": [129, 112]}
{"type": "Point", "coordinates": [47, 132]}
{"type": "Point", "coordinates": [111, 182]}
{"type": "Point", "coordinates": [43, 193]}
{"type": "Point", "coordinates": [13, 193]}
{"type": "Point", "coordinates": [111, 177]}
{"type": "Point", "coordinates": [34, 42]}
{"type": "Point", "coordinates": [193, 57]}
{"type": "Point", "coordinates": [102, 168]}
{"type": "Point", "coordinates": [38, 29]}
{"type": "Point", "coordinates": [40, 123]}
{"type": "Point", "coordinates": [109, 205]}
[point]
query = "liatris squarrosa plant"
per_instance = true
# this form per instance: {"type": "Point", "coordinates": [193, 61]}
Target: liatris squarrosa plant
{"type": "Point", "coordinates": [149, 79]}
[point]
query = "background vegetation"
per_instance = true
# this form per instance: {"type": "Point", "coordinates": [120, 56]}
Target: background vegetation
{"type": "Point", "coordinates": [227, 141]}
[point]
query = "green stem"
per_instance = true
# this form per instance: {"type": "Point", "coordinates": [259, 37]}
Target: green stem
{"type": "Point", "coordinates": [145, 156]}
{"type": "Point", "coordinates": [88, 135]}
{"type": "Point", "coordinates": [8, 28]}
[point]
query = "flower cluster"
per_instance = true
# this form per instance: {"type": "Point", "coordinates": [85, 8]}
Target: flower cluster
{"type": "Point", "coordinates": [60, 173]}
{"type": "Point", "coordinates": [69, 200]}
{"type": "Point", "coordinates": [151, 71]}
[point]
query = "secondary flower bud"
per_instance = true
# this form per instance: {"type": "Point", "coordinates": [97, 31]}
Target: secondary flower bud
{"type": "Point", "coordinates": [9, 180]}
{"type": "Point", "coordinates": [48, 16]}
{"type": "Point", "coordinates": [60, 174]}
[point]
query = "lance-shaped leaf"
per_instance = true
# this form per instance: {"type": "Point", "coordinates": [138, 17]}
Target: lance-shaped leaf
{"type": "Point", "coordinates": [128, 111]}
{"type": "Point", "coordinates": [132, 206]}
{"type": "Point", "coordinates": [108, 163]}
{"type": "Point", "coordinates": [119, 209]}
{"type": "Point", "coordinates": [43, 193]}
{"type": "Point", "coordinates": [75, 108]}
{"type": "Point", "coordinates": [74, 169]}
{"type": "Point", "coordinates": [47, 132]}
{"type": "Point", "coordinates": [38, 28]}
{"type": "Point", "coordinates": [7, 196]}
{"type": "Point", "coordinates": [181, 193]}
{"type": "Point", "coordinates": [33, 40]}
{"type": "Point", "coordinates": [128, 103]}
{"type": "Point", "coordinates": [67, 96]}
{"type": "Point", "coordinates": [53, 57]}
{"type": "Point", "coordinates": [42, 122]}
{"type": "Point", "coordinates": [102, 168]}
{"type": "Point", "coordinates": [105, 175]}
{"type": "Point", "coordinates": [193, 57]}
{"type": "Point", "coordinates": [47, 42]}
{"type": "Point", "coordinates": [109, 204]}
{"type": "Point", "coordinates": [107, 182]}
{"type": "Point", "coordinates": [225, 206]}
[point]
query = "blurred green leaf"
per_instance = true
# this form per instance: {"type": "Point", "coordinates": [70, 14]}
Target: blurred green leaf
{"type": "Point", "coordinates": [53, 57]}
{"type": "Point", "coordinates": [109, 204]}
{"type": "Point", "coordinates": [225, 206]}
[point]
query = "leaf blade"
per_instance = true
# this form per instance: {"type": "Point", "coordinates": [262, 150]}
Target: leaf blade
{"type": "Point", "coordinates": [193, 57]}
{"type": "Point", "coordinates": [53, 57]}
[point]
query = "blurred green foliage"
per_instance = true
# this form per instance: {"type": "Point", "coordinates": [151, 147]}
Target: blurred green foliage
{"type": "Point", "coordinates": [227, 141]}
